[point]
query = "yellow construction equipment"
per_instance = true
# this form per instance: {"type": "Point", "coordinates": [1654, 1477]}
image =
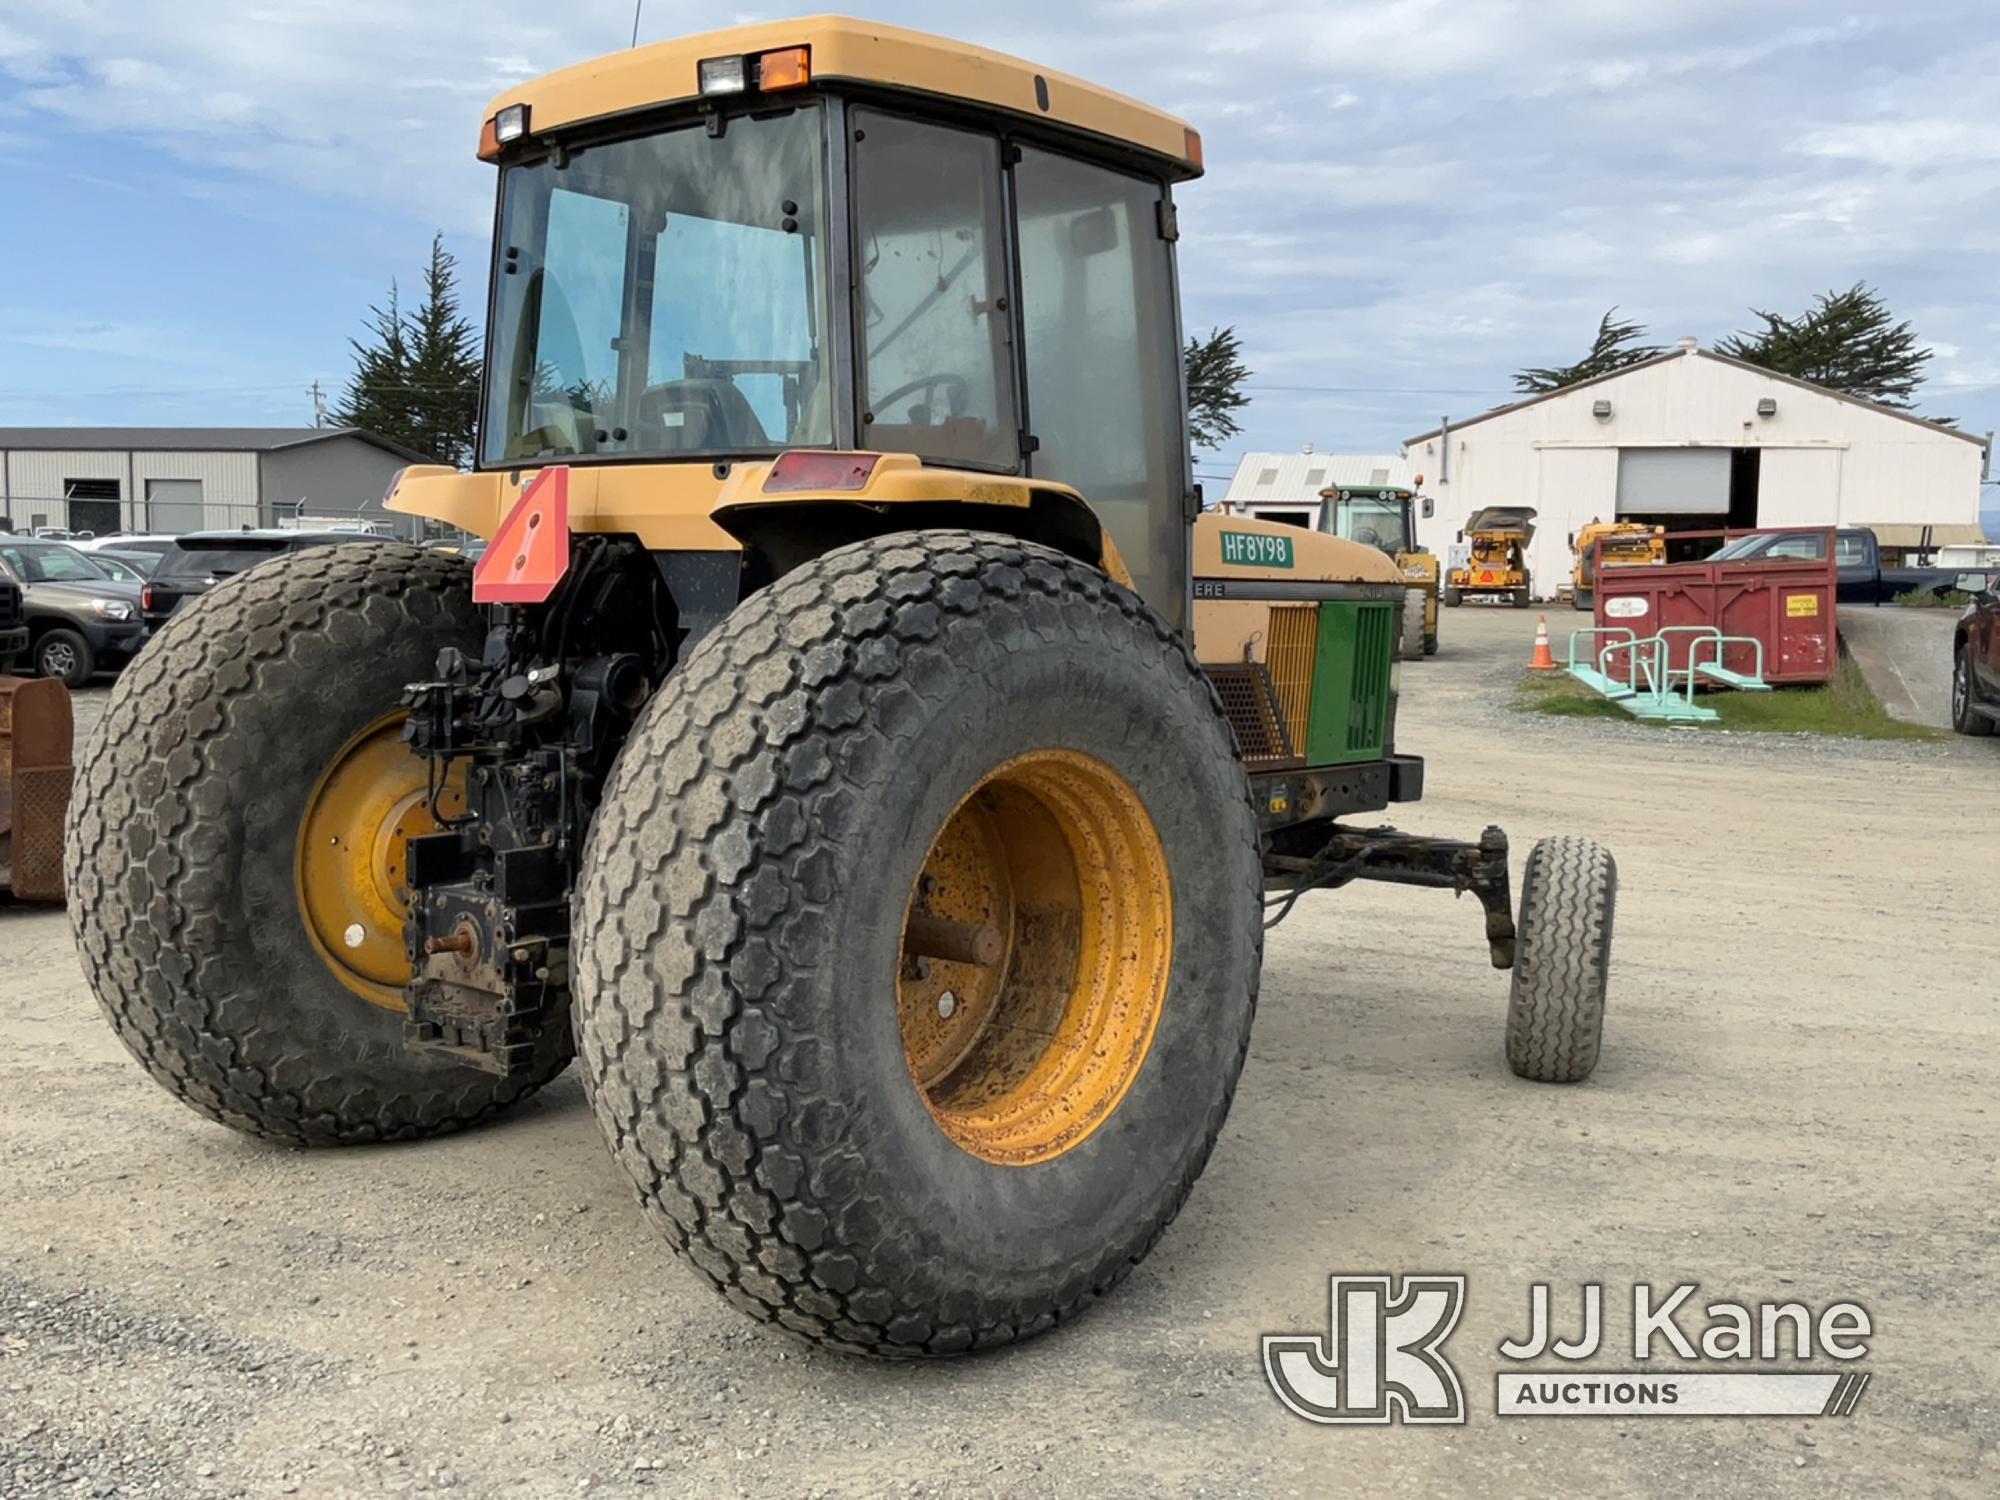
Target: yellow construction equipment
{"type": "Point", "coordinates": [1622, 544]}
{"type": "Point", "coordinates": [1497, 567]}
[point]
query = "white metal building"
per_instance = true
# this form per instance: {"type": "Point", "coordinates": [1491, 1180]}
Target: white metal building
{"type": "Point", "coordinates": [1286, 486]}
{"type": "Point", "coordinates": [175, 479]}
{"type": "Point", "coordinates": [1695, 440]}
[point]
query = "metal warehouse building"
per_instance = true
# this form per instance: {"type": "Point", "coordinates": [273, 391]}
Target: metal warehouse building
{"type": "Point", "coordinates": [1286, 486]}
{"type": "Point", "coordinates": [1695, 440]}
{"type": "Point", "coordinates": [175, 479]}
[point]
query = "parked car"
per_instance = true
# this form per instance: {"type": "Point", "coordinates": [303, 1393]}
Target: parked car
{"type": "Point", "coordinates": [200, 560]}
{"type": "Point", "coordinates": [80, 619]}
{"type": "Point", "coordinates": [13, 624]}
{"type": "Point", "coordinates": [126, 567]}
{"type": "Point", "coordinates": [1975, 659]}
{"type": "Point", "coordinates": [1863, 579]}
{"type": "Point", "coordinates": [153, 543]}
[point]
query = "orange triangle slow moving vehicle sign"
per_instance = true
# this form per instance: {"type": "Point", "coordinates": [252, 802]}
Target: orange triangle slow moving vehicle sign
{"type": "Point", "coordinates": [530, 552]}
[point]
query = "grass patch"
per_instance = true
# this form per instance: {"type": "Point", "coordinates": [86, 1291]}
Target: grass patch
{"type": "Point", "coordinates": [1845, 706]}
{"type": "Point", "coordinates": [1953, 599]}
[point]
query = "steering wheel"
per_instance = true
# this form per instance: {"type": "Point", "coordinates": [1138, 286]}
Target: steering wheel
{"type": "Point", "coordinates": [1368, 537]}
{"type": "Point", "coordinates": [957, 393]}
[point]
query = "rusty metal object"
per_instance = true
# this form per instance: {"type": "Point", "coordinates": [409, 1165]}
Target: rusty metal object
{"type": "Point", "coordinates": [461, 941]}
{"type": "Point", "coordinates": [36, 732]}
{"type": "Point", "coordinates": [959, 942]}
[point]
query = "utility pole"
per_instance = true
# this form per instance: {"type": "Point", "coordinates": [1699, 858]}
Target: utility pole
{"type": "Point", "coordinates": [319, 404]}
{"type": "Point", "coordinates": [637, 6]}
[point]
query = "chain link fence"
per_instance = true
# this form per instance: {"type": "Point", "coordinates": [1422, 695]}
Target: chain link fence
{"type": "Point", "coordinates": [80, 519]}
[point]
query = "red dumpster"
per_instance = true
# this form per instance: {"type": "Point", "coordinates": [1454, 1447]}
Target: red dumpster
{"type": "Point", "coordinates": [1775, 585]}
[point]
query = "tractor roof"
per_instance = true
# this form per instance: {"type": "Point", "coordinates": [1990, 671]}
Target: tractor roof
{"type": "Point", "coordinates": [858, 52]}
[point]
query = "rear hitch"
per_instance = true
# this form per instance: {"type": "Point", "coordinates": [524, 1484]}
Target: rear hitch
{"type": "Point", "coordinates": [1343, 855]}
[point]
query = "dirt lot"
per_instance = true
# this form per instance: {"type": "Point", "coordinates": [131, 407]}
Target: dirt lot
{"type": "Point", "coordinates": [1797, 1101]}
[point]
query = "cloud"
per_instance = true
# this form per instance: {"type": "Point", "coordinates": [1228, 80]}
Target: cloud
{"type": "Point", "coordinates": [1407, 199]}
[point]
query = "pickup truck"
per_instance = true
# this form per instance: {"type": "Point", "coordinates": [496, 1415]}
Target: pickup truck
{"type": "Point", "coordinates": [1863, 579]}
{"type": "Point", "coordinates": [79, 617]}
{"type": "Point", "coordinates": [13, 624]}
{"type": "Point", "coordinates": [1975, 664]}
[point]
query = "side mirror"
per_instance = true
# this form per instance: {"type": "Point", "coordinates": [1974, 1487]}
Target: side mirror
{"type": "Point", "coordinates": [1430, 507]}
{"type": "Point", "coordinates": [1572, 541]}
{"type": "Point", "coordinates": [1461, 536]}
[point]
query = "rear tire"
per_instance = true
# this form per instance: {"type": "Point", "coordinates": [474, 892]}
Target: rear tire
{"type": "Point", "coordinates": [1583, 600]}
{"type": "Point", "coordinates": [1521, 599]}
{"type": "Point", "coordinates": [743, 968]}
{"type": "Point", "coordinates": [1451, 598]}
{"type": "Point", "coordinates": [1562, 960]}
{"type": "Point", "coordinates": [63, 653]}
{"type": "Point", "coordinates": [1965, 718]}
{"type": "Point", "coordinates": [183, 848]}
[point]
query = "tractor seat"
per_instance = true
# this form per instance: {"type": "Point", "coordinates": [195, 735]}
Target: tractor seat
{"type": "Point", "coordinates": [699, 415]}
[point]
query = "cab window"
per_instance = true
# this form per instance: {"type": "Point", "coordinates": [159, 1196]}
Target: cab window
{"type": "Point", "coordinates": [1098, 322]}
{"type": "Point", "coordinates": [933, 322]}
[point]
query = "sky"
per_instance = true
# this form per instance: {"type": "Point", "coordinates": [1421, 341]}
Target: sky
{"type": "Point", "coordinates": [1406, 200]}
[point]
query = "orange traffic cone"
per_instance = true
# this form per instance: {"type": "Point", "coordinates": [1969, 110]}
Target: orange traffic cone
{"type": "Point", "coordinates": [1543, 660]}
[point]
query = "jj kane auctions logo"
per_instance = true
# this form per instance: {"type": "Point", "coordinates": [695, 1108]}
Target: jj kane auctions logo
{"type": "Point", "coordinates": [1382, 1359]}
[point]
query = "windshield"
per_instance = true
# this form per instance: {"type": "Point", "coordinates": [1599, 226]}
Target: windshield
{"type": "Point", "coordinates": [1372, 522]}
{"type": "Point", "coordinates": [50, 564]}
{"type": "Point", "coordinates": [663, 295]}
{"type": "Point", "coordinates": [1796, 546]}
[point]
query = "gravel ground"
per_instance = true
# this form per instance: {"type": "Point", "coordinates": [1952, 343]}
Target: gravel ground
{"type": "Point", "coordinates": [1794, 1102]}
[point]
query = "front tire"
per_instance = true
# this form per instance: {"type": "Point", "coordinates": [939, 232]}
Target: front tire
{"type": "Point", "coordinates": [1965, 718]}
{"type": "Point", "coordinates": [185, 863]}
{"type": "Point", "coordinates": [883, 1152]}
{"type": "Point", "coordinates": [1562, 960]}
{"type": "Point", "coordinates": [63, 653]}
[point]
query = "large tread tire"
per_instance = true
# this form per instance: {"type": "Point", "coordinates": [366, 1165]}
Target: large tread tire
{"type": "Point", "coordinates": [1411, 646]}
{"type": "Point", "coordinates": [182, 840]}
{"type": "Point", "coordinates": [1965, 717]}
{"type": "Point", "coordinates": [1451, 598]}
{"type": "Point", "coordinates": [740, 916]}
{"type": "Point", "coordinates": [1562, 960]}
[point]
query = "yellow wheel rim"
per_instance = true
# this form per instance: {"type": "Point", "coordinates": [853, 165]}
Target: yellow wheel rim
{"type": "Point", "coordinates": [351, 872]}
{"type": "Point", "coordinates": [1020, 1060]}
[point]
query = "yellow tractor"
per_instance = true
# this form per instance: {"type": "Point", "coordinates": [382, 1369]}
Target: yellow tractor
{"type": "Point", "coordinates": [1384, 517]}
{"type": "Point", "coordinates": [1497, 567]}
{"type": "Point", "coordinates": [852, 749]}
{"type": "Point", "coordinates": [1618, 544]}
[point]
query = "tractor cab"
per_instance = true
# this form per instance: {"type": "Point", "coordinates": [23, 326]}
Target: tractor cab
{"type": "Point", "coordinates": [1376, 515]}
{"type": "Point", "coordinates": [827, 237]}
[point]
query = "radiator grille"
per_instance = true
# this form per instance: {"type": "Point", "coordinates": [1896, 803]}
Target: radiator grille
{"type": "Point", "coordinates": [11, 610]}
{"type": "Point", "coordinates": [1250, 703]}
{"type": "Point", "coordinates": [1374, 638]}
{"type": "Point", "coordinates": [1292, 646]}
